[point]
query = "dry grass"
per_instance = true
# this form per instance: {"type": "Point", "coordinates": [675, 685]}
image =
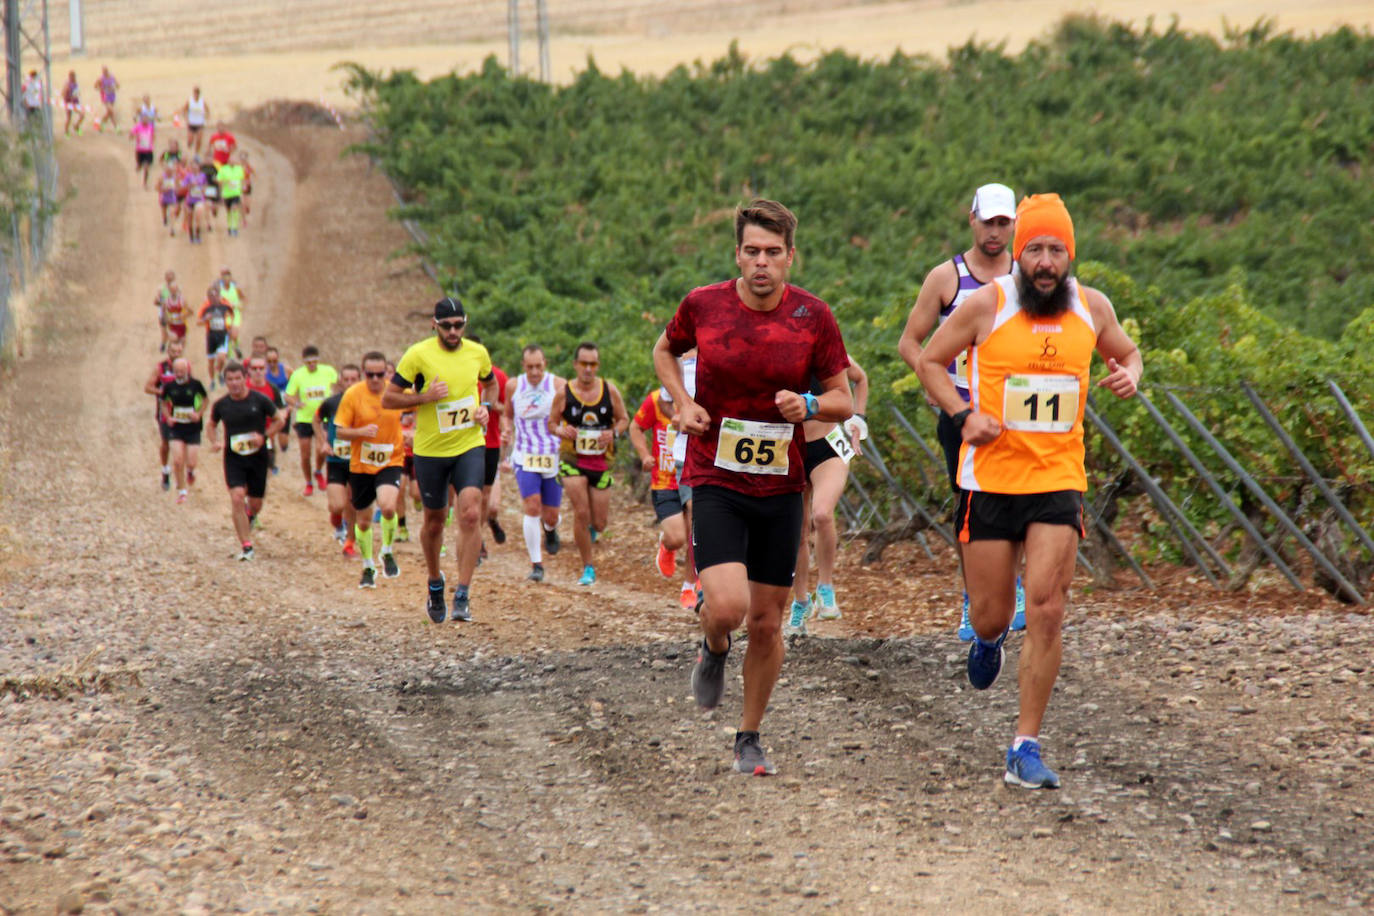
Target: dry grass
{"type": "Point", "coordinates": [81, 677]}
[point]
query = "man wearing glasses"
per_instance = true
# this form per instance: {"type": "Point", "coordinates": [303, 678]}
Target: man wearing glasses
{"type": "Point", "coordinates": [439, 378]}
{"type": "Point", "coordinates": [376, 455]}
{"type": "Point", "coordinates": [587, 414]}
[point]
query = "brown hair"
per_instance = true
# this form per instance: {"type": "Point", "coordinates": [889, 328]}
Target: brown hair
{"type": "Point", "coordinates": [766, 214]}
{"type": "Point", "coordinates": [373, 356]}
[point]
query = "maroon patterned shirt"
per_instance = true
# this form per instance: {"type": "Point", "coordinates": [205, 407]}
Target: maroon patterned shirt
{"type": "Point", "coordinates": [744, 358]}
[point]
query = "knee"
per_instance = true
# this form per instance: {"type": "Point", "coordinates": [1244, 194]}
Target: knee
{"type": "Point", "coordinates": [824, 522]}
{"type": "Point", "coordinates": [673, 540]}
{"type": "Point", "coordinates": [765, 628]}
{"type": "Point", "coordinates": [469, 517]}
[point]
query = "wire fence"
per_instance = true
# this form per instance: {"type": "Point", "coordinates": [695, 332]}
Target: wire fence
{"type": "Point", "coordinates": [29, 206]}
{"type": "Point", "coordinates": [1226, 508]}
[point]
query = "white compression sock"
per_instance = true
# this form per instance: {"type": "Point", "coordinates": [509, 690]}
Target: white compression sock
{"type": "Point", "coordinates": [534, 538]}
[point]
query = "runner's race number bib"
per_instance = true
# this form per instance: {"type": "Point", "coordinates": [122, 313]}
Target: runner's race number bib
{"type": "Point", "coordinates": [539, 464]}
{"type": "Point", "coordinates": [375, 454]}
{"type": "Point", "coordinates": [588, 441]}
{"type": "Point", "coordinates": [343, 448]}
{"type": "Point", "coordinates": [840, 443]}
{"type": "Point", "coordinates": [753, 447]}
{"type": "Point", "coordinates": [1040, 403]}
{"type": "Point", "coordinates": [183, 415]}
{"type": "Point", "coordinates": [217, 322]}
{"type": "Point", "coordinates": [243, 444]}
{"type": "Point", "coordinates": [455, 415]}
{"type": "Point", "coordinates": [318, 393]}
{"type": "Point", "coordinates": [961, 369]}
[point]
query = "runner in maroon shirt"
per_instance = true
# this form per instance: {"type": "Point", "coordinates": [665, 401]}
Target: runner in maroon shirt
{"type": "Point", "coordinates": [759, 341]}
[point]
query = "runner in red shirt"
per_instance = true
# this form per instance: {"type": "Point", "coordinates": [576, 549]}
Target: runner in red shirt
{"type": "Point", "coordinates": [652, 433]}
{"type": "Point", "coordinates": [222, 144]}
{"type": "Point", "coordinates": [491, 480]}
{"type": "Point", "coordinates": [759, 341]}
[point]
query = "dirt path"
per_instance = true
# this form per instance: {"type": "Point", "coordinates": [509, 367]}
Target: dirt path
{"type": "Point", "coordinates": [297, 743]}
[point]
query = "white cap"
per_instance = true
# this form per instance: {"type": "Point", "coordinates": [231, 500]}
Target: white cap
{"type": "Point", "coordinates": [994, 200]}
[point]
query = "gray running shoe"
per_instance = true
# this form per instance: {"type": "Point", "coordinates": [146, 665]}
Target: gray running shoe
{"type": "Point", "coordinates": [708, 677]}
{"type": "Point", "coordinates": [369, 579]}
{"type": "Point", "coordinates": [537, 573]}
{"type": "Point", "coordinates": [389, 567]}
{"type": "Point", "coordinates": [246, 553]}
{"type": "Point", "coordinates": [749, 758]}
{"type": "Point", "coordinates": [461, 612]}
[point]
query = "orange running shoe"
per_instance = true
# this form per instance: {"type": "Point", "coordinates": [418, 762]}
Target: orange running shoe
{"type": "Point", "coordinates": [350, 549]}
{"type": "Point", "coordinates": [688, 598]}
{"type": "Point", "coordinates": [667, 561]}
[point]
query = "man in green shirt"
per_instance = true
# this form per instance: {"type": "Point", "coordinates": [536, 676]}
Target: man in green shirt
{"type": "Point", "coordinates": [231, 177]}
{"type": "Point", "coordinates": [307, 388]}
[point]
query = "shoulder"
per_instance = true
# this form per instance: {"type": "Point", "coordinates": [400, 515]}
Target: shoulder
{"type": "Point", "coordinates": [710, 293]}
{"type": "Point", "coordinates": [941, 275]}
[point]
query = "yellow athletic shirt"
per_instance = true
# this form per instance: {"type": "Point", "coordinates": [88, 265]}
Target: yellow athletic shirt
{"type": "Point", "coordinates": [446, 428]}
{"type": "Point", "coordinates": [1031, 373]}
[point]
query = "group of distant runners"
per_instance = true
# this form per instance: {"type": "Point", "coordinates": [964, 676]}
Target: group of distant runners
{"type": "Point", "coordinates": [746, 442]}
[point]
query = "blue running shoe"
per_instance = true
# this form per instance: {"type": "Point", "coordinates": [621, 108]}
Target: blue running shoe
{"type": "Point", "coordinates": [966, 633]}
{"type": "Point", "coordinates": [462, 607]}
{"type": "Point", "coordinates": [588, 576]}
{"type": "Point", "coordinates": [435, 606]}
{"type": "Point", "coordinates": [825, 597]}
{"type": "Point", "coordinates": [795, 625]}
{"type": "Point", "coordinates": [1025, 769]}
{"type": "Point", "coordinates": [1018, 620]}
{"type": "Point", "coordinates": [985, 662]}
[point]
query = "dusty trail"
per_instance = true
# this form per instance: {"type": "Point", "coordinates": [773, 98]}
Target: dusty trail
{"type": "Point", "coordinates": [297, 742]}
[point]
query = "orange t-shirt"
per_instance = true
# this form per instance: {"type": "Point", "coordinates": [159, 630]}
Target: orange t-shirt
{"type": "Point", "coordinates": [360, 407]}
{"type": "Point", "coordinates": [1031, 373]}
{"type": "Point", "coordinates": [660, 433]}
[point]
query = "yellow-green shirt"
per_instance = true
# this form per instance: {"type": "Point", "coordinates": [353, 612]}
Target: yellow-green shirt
{"type": "Point", "coordinates": [446, 428]}
{"type": "Point", "coordinates": [312, 388]}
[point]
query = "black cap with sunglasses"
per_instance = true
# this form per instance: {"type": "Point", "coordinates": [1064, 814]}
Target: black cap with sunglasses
{"type": "Point", "coordinates": [448, 307]}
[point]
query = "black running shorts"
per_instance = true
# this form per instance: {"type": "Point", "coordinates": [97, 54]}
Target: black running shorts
{"type": "Point", "coordinates": [436, 475]}
{"type": "Point", "coordinates": [336, 472]}
{"type": "Point", "coordinates": [1006, 516]}
{"type": "Point", "coordinates": [950, 440]}
{"type": "Point", "coordinates": [304, 430]}
{"type": "Point", "coordinates": [817, 453]}
{"type": "Point", "coordinates": [667, 503]}
{"type": "Point", "coordinates": [184, 432]}
{"type": "Point", "coordinates": [364, 486]}
{"type": "Point", "coordinates": [247, 471]}
{"type": "Point", "coordinates": [762, 532]}
{"type": "Point", "coordinates": [493, 466]}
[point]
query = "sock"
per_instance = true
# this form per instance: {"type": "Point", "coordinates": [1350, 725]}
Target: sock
{"type": "Point", "coordinates": [532, 539]}
{"type": "Point", "coordinates": [1022, 739]}
{"type": "Point", "coordinates": [388, 533]}
{"type": "Point", "coordinates": [166, 469]}
{"type": "Point", "coordinates": [548, 527]}
{"type": "Point", "coordinates": [336, 519]}
{"type": "Point", "coordinates": [687, 583]}
{"type": "Point", "coordinates": [364, 540]}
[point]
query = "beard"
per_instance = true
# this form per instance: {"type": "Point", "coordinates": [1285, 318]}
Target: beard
{"type": "Point", "coordinates": [1043, 304]}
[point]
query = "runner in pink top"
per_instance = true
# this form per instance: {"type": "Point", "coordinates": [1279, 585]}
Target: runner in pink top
{"type": "Point", "coordinates": [144, 134]}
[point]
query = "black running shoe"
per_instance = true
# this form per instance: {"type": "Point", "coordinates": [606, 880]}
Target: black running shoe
{"type": "Point", "coordinates": [537, 573]}
{"type": "Point", "coordinates": [551, 541]}
{"type": "Point", "coordinates": [389, 567]}
{"type": "Point", "coordinates": [708, 677]}
{"type": "Point", "coordinates": [166, 481]}
{"type": "Point", "coordinates": [436, 606]}
{"type": "Point", "coordinates": [369, 579]}
{"type": "Point", "coordinates": [497, 532]}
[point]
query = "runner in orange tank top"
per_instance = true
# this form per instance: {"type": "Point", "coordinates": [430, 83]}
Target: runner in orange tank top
{"type": "Point", "coordinates": [1029, 339]}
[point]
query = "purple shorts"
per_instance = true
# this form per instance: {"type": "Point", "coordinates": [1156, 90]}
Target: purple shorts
{"type": "Point", "coordinates": [167, 198]}
{"type": "Point", "coordinates": [550, 491]}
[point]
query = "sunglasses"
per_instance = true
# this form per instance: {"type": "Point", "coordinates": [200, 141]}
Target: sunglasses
{"type": "Point", "coordinates": [381, 374]}
{"type": "Point", "coordinates": [590, 364]}
{"type": "Point", "coordinates": [257, 368]}
{"type": "Point", "coordinates": [451, 325]}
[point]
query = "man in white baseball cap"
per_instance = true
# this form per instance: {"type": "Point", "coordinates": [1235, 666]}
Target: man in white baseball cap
{"type": "Point", "coordinates": [992, 217]}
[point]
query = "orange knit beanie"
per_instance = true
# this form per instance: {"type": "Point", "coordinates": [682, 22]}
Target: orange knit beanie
{"type": "Point", "coordinates": [1042, 214]}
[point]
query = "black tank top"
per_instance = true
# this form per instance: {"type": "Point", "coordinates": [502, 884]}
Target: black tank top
{"type": "Point", "coordinates": [598, 415]}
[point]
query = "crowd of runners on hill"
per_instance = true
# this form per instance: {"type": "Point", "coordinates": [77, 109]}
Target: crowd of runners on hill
{"type": "Point", "coordinates": [746, 439]}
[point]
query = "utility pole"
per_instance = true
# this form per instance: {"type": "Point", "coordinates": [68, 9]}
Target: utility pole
{"type": "Point", "coordinates": [26, 27]}
{"type": "Point", "coordinates": [545, 71]}
{"type": "Point", "coordinates": [77, 34]}
{"type": "Point", "coordinates": [513, 28]}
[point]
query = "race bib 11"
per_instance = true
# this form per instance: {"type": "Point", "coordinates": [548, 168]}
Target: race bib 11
{"type": "Point", "coordinates": [1040, 403]}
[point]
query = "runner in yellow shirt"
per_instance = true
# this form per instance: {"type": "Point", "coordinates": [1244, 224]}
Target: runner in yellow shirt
{"type": "Point", "coordinates": [307, 388]}
{"type": "Point", "coordinates": [449, 383]}
{"type": "Point", "coordinates": [374, 464]}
